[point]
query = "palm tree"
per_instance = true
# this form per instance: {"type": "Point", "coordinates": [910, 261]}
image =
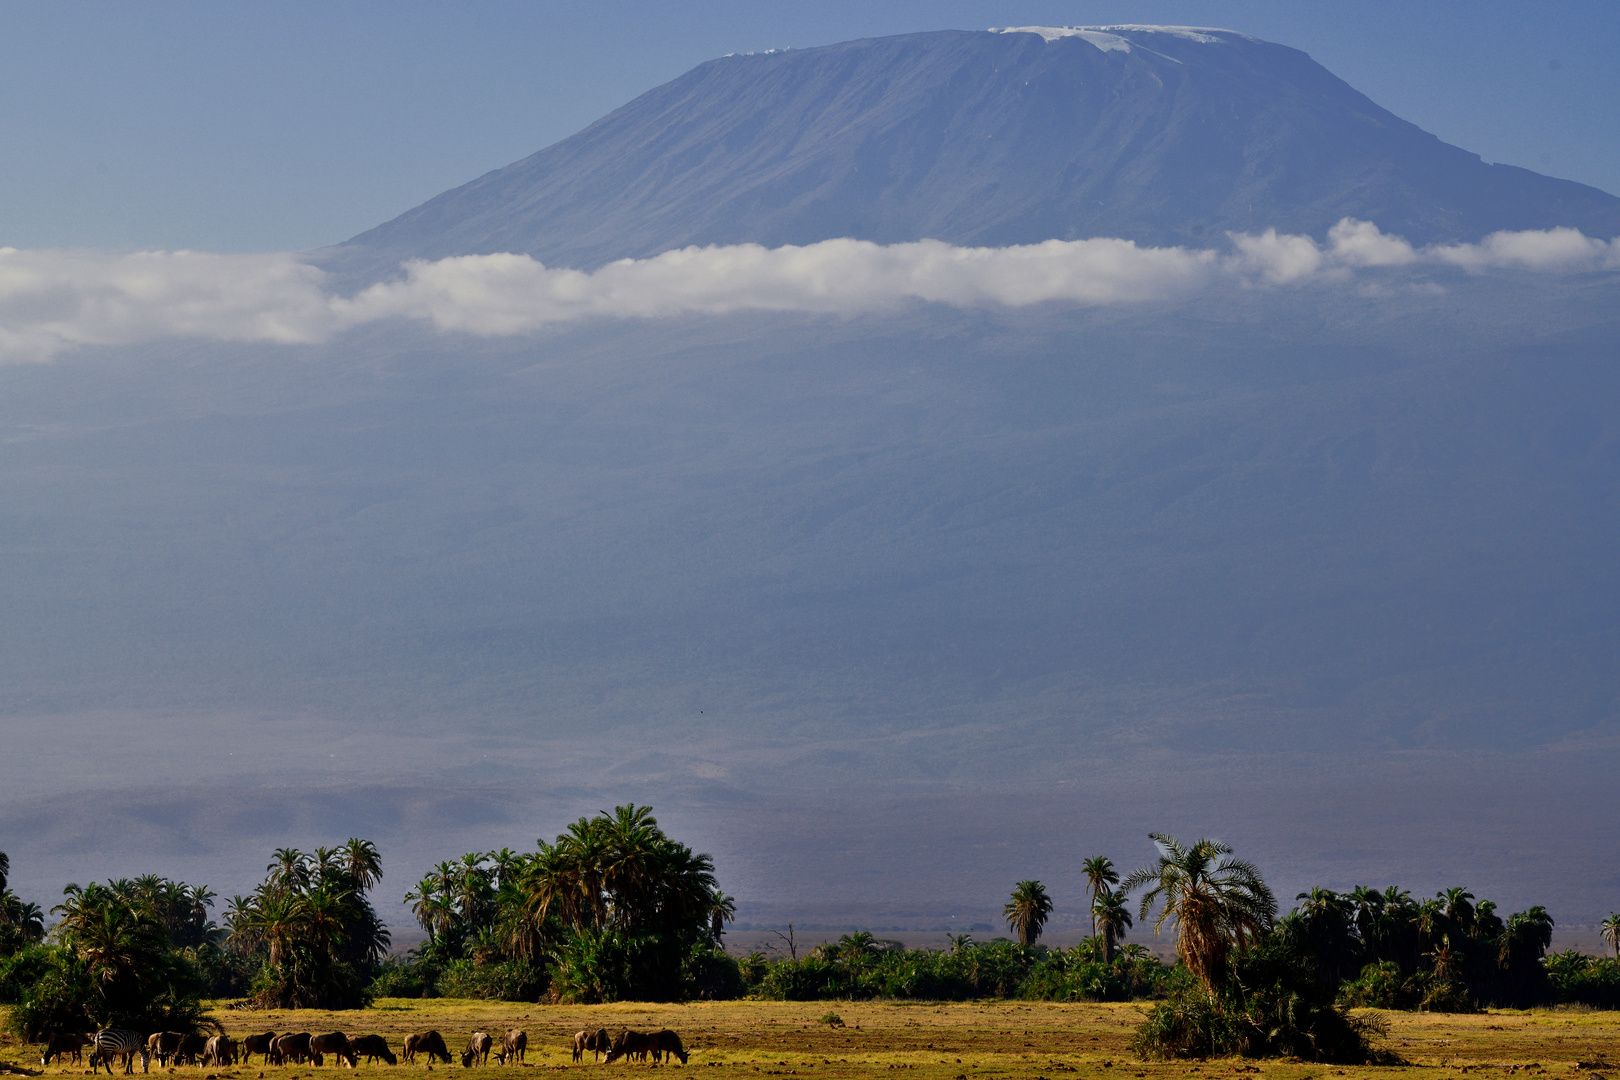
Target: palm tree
{"type": "Point", "coordinates": [5, 869]}
{"type": "Point", "coordinates": [1027, 910]}
{"type": "Point", "coordinates": [279, 920]}
{"type": "Point", "coordinates": [363, 863]}
{"type": "Point", "coordinates": [1100, 874]}
{"type": "Point", "coordinates": [1110, 913]}
{"type": "Point", "coordinates": [1218, 903]}
{"type": "Point", "coordinates": [288, 870]}
{"type": "Point", "coordinates": [722, 909]}
{"type": "Point", "coordinates": [1611, 933]}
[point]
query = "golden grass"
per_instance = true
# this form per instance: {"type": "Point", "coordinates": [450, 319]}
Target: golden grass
{"type": "Point", "coordinates": [990, 1040]}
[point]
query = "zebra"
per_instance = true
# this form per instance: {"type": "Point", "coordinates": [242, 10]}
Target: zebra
{"type": "Point", "coordinates": [126, 1044]}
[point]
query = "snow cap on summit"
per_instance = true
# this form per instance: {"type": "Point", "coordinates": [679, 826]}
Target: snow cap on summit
{"type": "Point", "coordinates": [1108, 38]}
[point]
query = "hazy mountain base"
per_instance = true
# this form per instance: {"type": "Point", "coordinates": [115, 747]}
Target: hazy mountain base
{"type": "Point", "coordinates": [877, 610]}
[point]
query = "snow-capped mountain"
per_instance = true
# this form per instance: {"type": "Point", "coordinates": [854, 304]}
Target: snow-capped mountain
{"type": "Point", "coordinates": [1158, 134]}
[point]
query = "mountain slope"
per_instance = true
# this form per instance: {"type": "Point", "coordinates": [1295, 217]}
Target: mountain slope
{"type": "Point", "coordinates": [1161, 135]}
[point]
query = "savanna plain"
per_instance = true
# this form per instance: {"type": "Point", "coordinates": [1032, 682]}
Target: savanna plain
{"type": "Point", "coordinates": [937, 1041]}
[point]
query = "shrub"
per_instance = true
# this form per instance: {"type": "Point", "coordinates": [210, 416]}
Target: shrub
{"type": "Point", "coordinates": [402, 980]}
{"type": "Point", "coordinates": [1382, 986]}
{"type": "Point", "coordinates": [509, 980]}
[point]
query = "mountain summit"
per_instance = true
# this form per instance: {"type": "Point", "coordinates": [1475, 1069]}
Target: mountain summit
{"type": "Point", "coordinates": [1164, 135]}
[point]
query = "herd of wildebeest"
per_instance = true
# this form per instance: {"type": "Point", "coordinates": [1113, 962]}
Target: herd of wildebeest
{"type": "Point", "coordinates": [297, 1048]}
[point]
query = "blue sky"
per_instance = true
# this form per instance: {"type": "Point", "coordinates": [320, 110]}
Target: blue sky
{"type": "Point", "coordinates": [251, 127]}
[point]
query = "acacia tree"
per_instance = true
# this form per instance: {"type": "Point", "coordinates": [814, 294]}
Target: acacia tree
{"type": "Point", "coordinates": [1218, 903]}
{"type": "Point", "coordinates": [1027, 910]}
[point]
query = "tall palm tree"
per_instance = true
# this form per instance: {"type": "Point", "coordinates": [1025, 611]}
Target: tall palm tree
{"type": "Point", "coordinates": [288, 870]}
{"type": "Point", "coordinates": [1111, 913]}
{"type": "Point", "coordinates": [723, 909]}
{"type": "Point", "coordinates": [1611, 933]}
{"type": "Point", "coordinates": [28, 918]}
{"type": "Point", "coordinates": [1217, 902]}
{"type": "Point", "coordinates": [363, 863]}
{"type": "Point", "coordinates": [1027, 910]}
{"type": "Point", "coordinates": [5, 869]}
{"type": "Point", "coordinates": [1100, 875]}
{"type": "Point", "coordinates": [278, 918]}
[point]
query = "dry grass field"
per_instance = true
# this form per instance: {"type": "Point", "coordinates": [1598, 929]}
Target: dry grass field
{"type": "Point", "coordinates": [1001, 1040]}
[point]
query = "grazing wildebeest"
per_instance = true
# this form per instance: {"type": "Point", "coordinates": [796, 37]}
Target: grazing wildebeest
{"type": "Point", "coordinates": [667, 1042]}
{"type": "Point", "coordinates": [63, 1044]}
{"type": "Point", "coordinates": [258, 1044]}
{"type": "Point", "coordinates": [373, 1047]}
{"type": "Point", "coordinates": [221, 1051]}
{"type": "Point", "coordinates": [513, 1047]}
{"type": "Point", "coordinates": [595, 1041]}
{"type": "Point", "coordinates": [430, 1043]}
{"type": "Point", "coordinates": [478, 1045]}
{"type": "Point", "coordinates": [291, 1047]}
{"type": "Point", "coordinates": [191, 1049]}
{"type": "Point", "coordinates": [335, 1043]}
{"type": "Point", "coordinates": [118, 1041]}
{"type": "Point", "coordinates": [630, 1044]}
{"type": "Point", "coordinates": [161, 1045]}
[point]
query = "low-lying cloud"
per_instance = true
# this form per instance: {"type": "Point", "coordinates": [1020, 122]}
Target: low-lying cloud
{"type": "Point", "coordinates": [52, 301]}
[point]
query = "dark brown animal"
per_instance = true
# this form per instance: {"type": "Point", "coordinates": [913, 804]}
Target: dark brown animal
{"type": "Point", "coordinates": [630, 1044]}
{"type": "Point", "coordinates": [513, 1047]}
{"type": "Point", "coordinates": [291, 1047]}
{"type": "Point", "coordinates": [161, 1045]}
{"type": "Point", "coordinates": [372, 1047]}
{"type": "Point", "coordinates": [191, 1049]}
{"type": "Point", "coordinates": [258, 1044]}
{"type": "Point", "coordinates": [64, 1044]}
{"type": "Point", "coordinates": [430, 1043]}
{"type": "Point", "coordinates": [221, 1051]}
{"type": "Point", "coordinates": [478, 1045]}
{"type": "Point", "coordinates": [335, 1043]}
{"type": "Point", "coordinates": [667, 1042]}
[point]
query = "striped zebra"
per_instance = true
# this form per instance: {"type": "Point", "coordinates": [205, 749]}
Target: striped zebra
{"type": "Point", "coordinates": [126, 1044]}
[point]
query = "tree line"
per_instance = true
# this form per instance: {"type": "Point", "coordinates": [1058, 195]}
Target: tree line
{"type": "Point", "coordinates": [615, 909]}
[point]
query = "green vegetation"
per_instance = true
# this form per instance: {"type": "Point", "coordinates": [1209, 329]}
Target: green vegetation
{"type": "Point", "coordinates": [612, 910]}
{"type": "Point", "coordinates": [308, 934]}
{"type": "Point", "coordinates": [135, 954]}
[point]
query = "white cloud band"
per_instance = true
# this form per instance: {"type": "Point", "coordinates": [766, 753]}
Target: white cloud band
{"type": "Point", "coordinates": [53, 300]}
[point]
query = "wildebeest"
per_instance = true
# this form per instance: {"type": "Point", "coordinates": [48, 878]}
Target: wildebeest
{"type": "Point", "coordinates": [221, 1051]}
{"type": "Point", "coordinates": [630, 1044]}
{"type": "Point", "coordinates": [478, 1044]}
{"type": "Point", "coordinates": [595, 1041]}
{"type": "Point", "coordinates": [63, 1044]}
{"type": "Point", "coordinates": [290, 1047]}
{"type": "Point", "coordinates": [667, 1042]}
{"type": "Point", "coordinates": [430, 1043]}
{"type": "Point", "coordinates": [107, 1043]}
{"type": "Point", "coordinates": [258, 1044]}
{"type": "Point", "coordinates": [513, 1047]}
{"type": "Point", "coordinates": [335, 1043]}
{"type": "Point", "coordinates": [372, 1047]}
{"type": "Point", "coordinates": [191, 1049]}
{"type": "Point", "coordinates": [162, 1045]}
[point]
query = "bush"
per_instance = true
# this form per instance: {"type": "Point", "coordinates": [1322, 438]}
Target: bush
{"type": "Point", "coordinates": [509, 980]}
{"type": "Point", "coordinates": [402, 980]}
{"type": "Point", "coordinates": [713, 974]}
{"type": "Point", "coordinates": [305, 982]}
{"type": "Point", "coordinates": [1187, 1025]}
{"type": "Point", "coordinates": [1273, 1005]}
{"type": "Point", "coordinates": [48, 989]}
{"type": "Point", "coordinates": [1578, 979]}
{"type": "Point", "coordinates": [1382, 986]}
